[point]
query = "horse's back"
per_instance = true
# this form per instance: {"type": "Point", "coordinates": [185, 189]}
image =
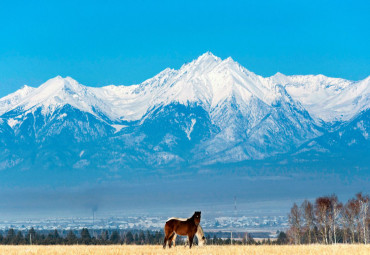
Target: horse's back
{"type": "Point", "coordinates": [174, 218]}
{"type": "Point", "coordinates": [172, 224]}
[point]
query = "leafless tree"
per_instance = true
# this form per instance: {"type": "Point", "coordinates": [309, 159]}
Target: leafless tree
{"type": "Point", "coordinates": [322, 211]}
{"type": "Point", "coordinates": [368, 224]}
{"type": "Point", "coordinates": [336, 208]}
{"type": "Point", "coordinates": [295, 221]}
{"type": "Point", "coordinates": [363, 204]}
{"type": "Point", "coordinates": [344, 224]}
{"type": "Point", "coordinates": [328, 218]}
{"type": "Point", "coordinates": [308, 215]}
{"type": "Point", "coordinates": [350, 213]}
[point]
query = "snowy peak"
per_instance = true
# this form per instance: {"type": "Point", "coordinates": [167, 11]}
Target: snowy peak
{"type": "Point", "coordinates": [326, 99]}
{"type": "Point", "coordinates": [208, 81]}
{"type": "Point", "coordinates": [62, 88]}
{"type": "Point", "coordinates": [13, 99]}
{"type": "Point", "coordinates": [207, 63]}
{"type": "Point", "coordinates": [201, 65]}
{"type": "Point", "coordinates": [58, 92]}
{"type": "Point", "coordinates": [58, 83]}
{"type": "Point", "coordinates": [210, 110]}
{"type": "Point", "coordinates": [279, 78]}
{"type": "Point", "coordinates": [25, 90]}
{"type": "Point", "coordinates": [206, 58]}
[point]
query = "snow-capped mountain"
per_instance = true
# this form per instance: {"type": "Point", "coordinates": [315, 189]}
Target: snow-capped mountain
{"type": "Point", "coordinates": [327, 99]}
{"type": "Point", "coordinates": [209, 111]}
{"type": "Point", "coordinates": [13, 99]}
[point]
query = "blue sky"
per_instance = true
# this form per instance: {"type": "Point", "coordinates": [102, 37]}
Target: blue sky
{"type": "Point", "coordinates": [125, 42]}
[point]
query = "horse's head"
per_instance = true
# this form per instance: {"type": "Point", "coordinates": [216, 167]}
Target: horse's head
{"type": "Point", "coordinates": [200, 235]}
{"type": "Point", "coordinates": [202, 241]}
{"type": "Point", "coordinates": [196, 218]}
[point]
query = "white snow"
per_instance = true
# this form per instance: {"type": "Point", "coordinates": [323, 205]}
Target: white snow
{"type": "Point", "coordinates": [325, 98]}
{"type": "Point", "coordinates": [118, 127]}
{"type": "Point", "coordinates": [81, 163]}
{"type": "Point", "coordinates": [360, 125]}
{"type": "Point", "coordinates": [9, 101]}
{"type": "Point", "coordinates": [62, 116]}
{"type": "Point", "coordinates": [190, 129]}
{"type": "Point", "coordinates": [353, 141]}
{"type": "Point", "coordinates": [82, 153]}
{"type": "Point", "coordinates": [12, 122]}
{"type": "Point", "coordinates": [57, 92]}
{"type": "Point", "coordinates": [208, 81]}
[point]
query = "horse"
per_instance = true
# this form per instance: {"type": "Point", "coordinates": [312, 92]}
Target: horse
{"type": "Point", "coordinates": [184, 227]}
{"type": "Point", "coordinates": [199, 234]}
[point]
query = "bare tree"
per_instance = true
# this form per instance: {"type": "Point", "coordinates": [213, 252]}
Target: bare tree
{"type": "Point", "coordinates": [295, 221]}
{"type": "Point", "coordinates": [309, 217]}
{"type": "Point", "coordinates": [368, 224]}
{"type": "Point", "coordinates": [363, 204]}
{"type": "Point", "coordinates": [328, 219]}
{"type": "Point", "coordinates": [336, 208]}
{"type": "Point", "coordinates": [350, 213]}
{"type": "Point", "coordinates": [322, 211]}
{"type": "Point", "coordinates": [344, 223]}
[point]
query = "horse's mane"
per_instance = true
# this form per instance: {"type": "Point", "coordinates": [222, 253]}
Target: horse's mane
{"type": "Point", "coordinates": [180, 219]}
{"type": "Point", "coordinates": [183, 219]}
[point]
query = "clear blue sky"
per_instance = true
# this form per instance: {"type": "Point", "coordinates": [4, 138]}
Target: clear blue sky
{"type": "Point", "coordinates": [126, 42]}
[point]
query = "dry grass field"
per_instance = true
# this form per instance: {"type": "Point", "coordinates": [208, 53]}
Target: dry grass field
{"type": "Point", "coordinates": [214, 250]}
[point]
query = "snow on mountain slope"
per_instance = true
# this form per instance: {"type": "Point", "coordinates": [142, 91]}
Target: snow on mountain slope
{"type": "Point", "coordinates": [354, 99]}
{"type": "Point", "coordinates": [131, 103]}
{"type": "Point", "coordinates": [9, 101]}
{"type": "Point", "coordinates": [209, 111]}
{"type": "Point", "coordinates": [327, 99]}
{"type": "Point", "coordinates": [207, 81]}
{"type": "Point", "coordinates": [58, 92]}
{"type": "Point", "coordinates": [210, 81]}
{"type": "Point", "coordinates": [351, 139]}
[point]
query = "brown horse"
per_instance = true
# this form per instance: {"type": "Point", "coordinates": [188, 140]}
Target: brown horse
{"type": "Point", "coordinates": [200, 235]}
{"type": "Point", "coordinates": [183, 227]}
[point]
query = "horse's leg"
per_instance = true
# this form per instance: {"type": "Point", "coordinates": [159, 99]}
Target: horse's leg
{"type": "Point", "coordinates": [174, 239]}
{"type": "Point", "coordinates": [191, 237]}
{"type": "Point", "coordinates": [170, 239]}
{"type": "Point", "coordinates": [166, 237]}
{"type": "Point", "coordinates": [168, 230]}
{"type": "Point", "coordinates": [165, 241]}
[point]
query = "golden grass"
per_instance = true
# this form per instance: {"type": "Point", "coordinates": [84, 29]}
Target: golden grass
{"type": "Point", "coordinates": [207, 250]}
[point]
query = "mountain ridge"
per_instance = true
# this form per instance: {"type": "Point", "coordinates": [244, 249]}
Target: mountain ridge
{"type": "Point", "coordinates": [209, 63]}
{"type": "Point", "coordinates": [209, 111]}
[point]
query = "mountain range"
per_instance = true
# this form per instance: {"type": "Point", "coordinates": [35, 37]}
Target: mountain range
{"type": "Point", "coordinates": [209, 112]}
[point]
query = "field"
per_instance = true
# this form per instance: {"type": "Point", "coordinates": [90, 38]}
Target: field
{"type": "Point", "coordinates": [214, 250]}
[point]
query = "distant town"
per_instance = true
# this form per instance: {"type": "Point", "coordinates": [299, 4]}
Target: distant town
{"type": "Point", "coordinates": [264, 223]}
